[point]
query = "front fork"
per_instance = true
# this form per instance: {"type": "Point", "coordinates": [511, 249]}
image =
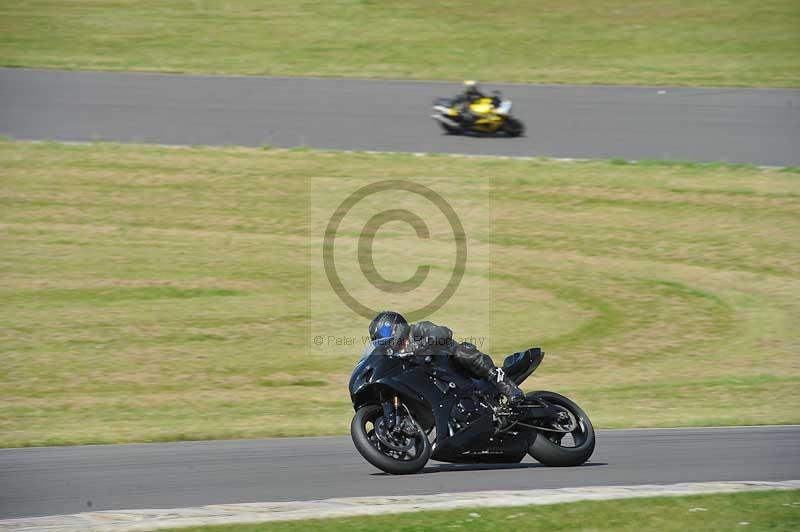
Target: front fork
{"type": "Point", "coordinates": [391, 412]}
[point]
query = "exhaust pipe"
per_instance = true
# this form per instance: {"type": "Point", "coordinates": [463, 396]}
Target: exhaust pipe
{"type": "Point", "coordinates": [445, 120]}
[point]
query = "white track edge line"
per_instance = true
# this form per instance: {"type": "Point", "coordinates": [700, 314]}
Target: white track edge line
{"type": "Point", "coordinates": [243, 513]}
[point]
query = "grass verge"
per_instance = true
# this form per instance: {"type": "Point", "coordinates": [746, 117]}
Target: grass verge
{"type": "Point", "coordinates": [776, 510]}
{"type": "Point", "coordinates": [151, 293]}
{"type": "Point", "coordinates": [671, 42]}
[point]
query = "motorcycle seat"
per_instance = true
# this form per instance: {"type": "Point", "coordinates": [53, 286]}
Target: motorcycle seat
{"type": "Point", "coordinates": [520, 365]}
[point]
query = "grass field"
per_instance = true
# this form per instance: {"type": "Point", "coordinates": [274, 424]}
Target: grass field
{"type": "Point", "coordinates": [740, 511]}
{"type": "Point", "coordinates": [151, 293]}
{"type": "Point", "coordinates": [670, 42]}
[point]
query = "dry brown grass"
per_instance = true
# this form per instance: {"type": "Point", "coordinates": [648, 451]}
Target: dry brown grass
{"type": "Point", "coordinates": [154, 294]}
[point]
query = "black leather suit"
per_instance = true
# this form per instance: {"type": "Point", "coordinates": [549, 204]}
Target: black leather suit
{"type": "Point", "coordinates": [427, 337]}
{"type": "Point", "coordinates": [463, 102]}
{"type": "Point", "coordinates": [468, 96]}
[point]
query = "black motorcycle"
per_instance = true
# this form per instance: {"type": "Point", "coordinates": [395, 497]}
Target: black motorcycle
{"type": "Point", "coordinates": [410, 408]}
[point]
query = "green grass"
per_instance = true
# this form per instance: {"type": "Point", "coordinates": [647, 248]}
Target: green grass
{"type": "Point", "coordinates": [774, 510]}
{"type": "Point", "coordinates": [671, 42]}
{"type": "Point", "coordinates": [150, 293]}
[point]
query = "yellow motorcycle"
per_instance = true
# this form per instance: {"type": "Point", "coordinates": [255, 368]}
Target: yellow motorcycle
{"type": "Point", "coordinates": [492, 115]}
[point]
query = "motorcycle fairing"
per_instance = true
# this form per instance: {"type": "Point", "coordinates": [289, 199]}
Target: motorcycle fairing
{"type": "Point", "coordinates": [489, 121]}
{"type": "Point", "coordinates": [504, 108]}
{"type": "Point", "coordinates": [482, 106]}
{"type": "Point", "coordinates": [378, 377]}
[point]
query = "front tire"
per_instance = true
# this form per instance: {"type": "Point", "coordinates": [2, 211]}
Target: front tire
{"type": "Point", "coordinates": [548, 448]}
{"type": "Point", "coordinates": [381, 456]}
{"type": "Point", "coordinates": [513, 127]}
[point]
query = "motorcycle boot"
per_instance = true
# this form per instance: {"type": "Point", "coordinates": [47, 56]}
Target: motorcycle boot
{"type": "Point", "coordinates": [506, 387]}
{"type": "Point", "coordinates": [481, 365]}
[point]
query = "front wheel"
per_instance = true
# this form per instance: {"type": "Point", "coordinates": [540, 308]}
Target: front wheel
{"type": "Point", "coordinates": [568, 442]}
{"type": "Point", "coordinates": [397, 452]}
{"type": "Point", "coordinates": [513, 127]}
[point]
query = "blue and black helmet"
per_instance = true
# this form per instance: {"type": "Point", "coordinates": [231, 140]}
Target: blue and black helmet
{"type": "Point", "coordinates": [389, 325]}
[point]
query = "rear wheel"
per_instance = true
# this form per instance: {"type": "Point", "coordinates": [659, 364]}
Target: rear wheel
{"type": "Point", "coordinates": [396, 452]}
{"type": "Point", "coordinates": [513, 127]}
{"type": "Point", "coordinates": [567, 442]}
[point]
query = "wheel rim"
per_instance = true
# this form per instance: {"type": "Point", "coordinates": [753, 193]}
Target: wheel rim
{"type": "Point", "coordinates": [403, 448]}
{"type": "Point", "coordinates": [565, 437]}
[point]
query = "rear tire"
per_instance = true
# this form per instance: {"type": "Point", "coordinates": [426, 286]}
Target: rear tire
{"type": "Point", "coordinates": [551, 453]}
{"type": "Point", "coordinates": [367, 445]}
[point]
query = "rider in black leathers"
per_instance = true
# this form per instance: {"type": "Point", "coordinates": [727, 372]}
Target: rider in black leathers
{"type": "Point", "coordinates": [471, 94]}
{"type": "Point", "coordinates": [426, 337]}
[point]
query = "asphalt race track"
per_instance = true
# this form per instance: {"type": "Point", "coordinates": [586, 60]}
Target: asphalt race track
{"type": "Point", "coordinates": [65, 480]}
{"type": "Point", "coordinates": [758, 126]}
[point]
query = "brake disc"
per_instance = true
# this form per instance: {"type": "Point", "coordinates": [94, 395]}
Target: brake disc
{"type": "Point", "coordinates": [395, 441]}
{"type": "Point", "coordinates": [566, 423]}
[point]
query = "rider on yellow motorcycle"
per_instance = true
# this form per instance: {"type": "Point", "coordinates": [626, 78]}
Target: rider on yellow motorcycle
{"type": "Point", "coordinates": [470, 95]}
{"type": "Point", "coordinates": [472, 111]}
